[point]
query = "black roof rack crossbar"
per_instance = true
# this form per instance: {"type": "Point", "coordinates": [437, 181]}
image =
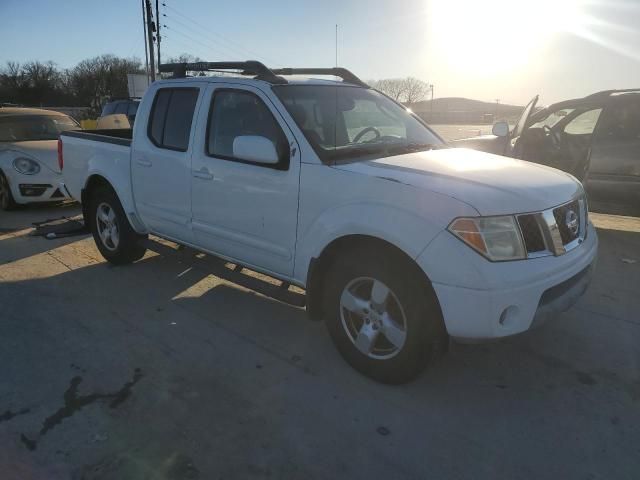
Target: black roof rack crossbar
{"type": "Point", "coordinates": [343, 73]}
{"type": "Point", "coordinates": [607, 93]}
{"type": "Point", "coordinates": [249, 67]}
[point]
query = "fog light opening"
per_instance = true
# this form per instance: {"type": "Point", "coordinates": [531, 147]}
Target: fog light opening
{"type": "Point", "coordinates": [508, 316]}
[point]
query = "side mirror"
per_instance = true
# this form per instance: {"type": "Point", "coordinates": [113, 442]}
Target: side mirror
{"type": "Point", "coordinates": [500, 129]}
{"type": "Point", "coordinates": [254, 148]}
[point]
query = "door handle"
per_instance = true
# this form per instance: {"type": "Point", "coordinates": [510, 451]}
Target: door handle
{"type": "Point", "coordinates": [203, 173]}
{"type": "Point", "coordinates": [143, 162]}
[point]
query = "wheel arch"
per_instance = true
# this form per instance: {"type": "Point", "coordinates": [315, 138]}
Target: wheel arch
{"type": "Point", "coordinates": [97, 180]}
{"type": "Point", "coordinates": [94, 182]}
{"type": "Point", "coordinates": [319, 266]}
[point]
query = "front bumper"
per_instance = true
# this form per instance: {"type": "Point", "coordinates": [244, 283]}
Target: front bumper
{"type": "Point", "coordinates": [484, 300]}
{"type": "Point", "coordinates": [41, 187]}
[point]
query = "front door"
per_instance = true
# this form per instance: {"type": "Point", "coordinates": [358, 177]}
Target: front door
{"type": "Point", "coordinates": [161, 161]}
{"type": "Point", "coordinates": [244, 210]}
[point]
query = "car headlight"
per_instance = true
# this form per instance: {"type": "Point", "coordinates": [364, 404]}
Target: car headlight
{"type": "Point", "coordinates": [26, 166]}
{"type": "Point", "coordinates": [497, 238]}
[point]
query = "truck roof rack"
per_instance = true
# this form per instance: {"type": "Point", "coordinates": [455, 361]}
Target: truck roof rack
{"type": "Point", "coordinates": [258, 70]}
{"type": "Point", "coordinates": [343, 73]}
{"type": "Point", "coordinates": [607, 93]}
{"type": "Point", "coordinates": [250, 67]}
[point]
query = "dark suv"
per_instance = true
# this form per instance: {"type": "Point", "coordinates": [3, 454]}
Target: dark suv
{"type": "Point", "coordinates": [128, 107]}
{"type": "Point", "coordinates": [595, 138]}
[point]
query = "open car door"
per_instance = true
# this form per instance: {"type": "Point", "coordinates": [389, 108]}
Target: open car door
{"type": "Point", "coordinates": [513, 147]}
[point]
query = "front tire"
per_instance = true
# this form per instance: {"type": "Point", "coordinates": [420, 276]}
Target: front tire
{"type": "Point", "coordinates": [7, 201]}
{"type": "Point", "coordinates": [383, 315]}
{"type": "Point", "coordinates": [117, 241]}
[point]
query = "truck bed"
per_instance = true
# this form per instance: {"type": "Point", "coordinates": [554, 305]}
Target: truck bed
{"type": "Point", "coordinates": [105, 153]}
{"type": "Point", "coordinates": [119, 136]}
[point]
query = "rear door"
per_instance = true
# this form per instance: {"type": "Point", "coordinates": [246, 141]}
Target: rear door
{"type": "Point", "coordinates": [244, 210]}
{"type": "Point", "coordinates": [161, 160]}
{"type": "Point", "coordinates": [614, 172]}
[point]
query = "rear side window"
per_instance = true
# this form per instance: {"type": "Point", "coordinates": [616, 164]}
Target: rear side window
{"type": "Point", "coordinates": [121, 108]}
{"type": "Point", "coordinates": [171, 117]}
{"type": "Point", "coordinates": [621, 121]}
{"type": "Point", "coordinates": [108, 109]}
{"type": "Point", "coordinates": [133, 108]}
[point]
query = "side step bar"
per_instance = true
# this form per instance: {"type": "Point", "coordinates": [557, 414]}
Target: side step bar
{"type": "Point", "coordinates": [233, 272]}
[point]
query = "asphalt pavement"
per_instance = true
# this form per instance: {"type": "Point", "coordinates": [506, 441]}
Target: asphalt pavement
{"type": "Point", "coordinates": [162, 370]}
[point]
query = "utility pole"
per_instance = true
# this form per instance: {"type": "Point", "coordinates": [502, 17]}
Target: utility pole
{"type": "Point", "coordinates": [150, 29]}
{"type": "Point", "coordinates": [146, 45]}
{"type": "Point", "coordinates": [158, 32]}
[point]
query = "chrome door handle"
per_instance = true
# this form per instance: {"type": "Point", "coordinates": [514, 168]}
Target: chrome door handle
{"type": "Point", "coordinates": [203, 173]}
{"type": "Point", "coordinates": [143, 163]}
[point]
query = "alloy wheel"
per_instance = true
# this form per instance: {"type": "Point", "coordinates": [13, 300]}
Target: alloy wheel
{"type": "Point", "coordinates": [373, 318]}
{"type": "Point", "coordinates": [107, 225]}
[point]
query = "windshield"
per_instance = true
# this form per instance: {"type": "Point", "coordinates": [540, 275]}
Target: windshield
{"type": "Point", "coordinates": [22, 128]}
{"type": "Point", "coordinates": [352, 123]}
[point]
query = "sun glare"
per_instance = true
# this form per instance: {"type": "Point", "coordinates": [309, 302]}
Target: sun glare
{"type": "Point", "coordinates": [493, 36]}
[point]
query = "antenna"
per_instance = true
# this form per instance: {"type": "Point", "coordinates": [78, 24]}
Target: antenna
{"type": "Point", "coordinates": [336, 44]}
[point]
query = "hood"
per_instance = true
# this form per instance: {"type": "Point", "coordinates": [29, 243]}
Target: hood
{"type": "Point", "coordinates": [492, 184]}
{"type": "Point", "coordinates": [44, 151]}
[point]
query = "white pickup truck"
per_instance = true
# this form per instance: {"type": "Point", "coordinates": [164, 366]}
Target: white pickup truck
{"type": "Point", "coordinates": [399, 241]}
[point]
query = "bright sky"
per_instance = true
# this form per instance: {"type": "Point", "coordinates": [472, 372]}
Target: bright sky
{"type": "Point", "coordinates": [482, 49]}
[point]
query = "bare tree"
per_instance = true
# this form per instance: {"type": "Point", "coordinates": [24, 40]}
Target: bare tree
{"type": "Point", "coordinates": [99, 78]}
{"type": "Point", "coordinates": [414, 90]}
{"type": "Point", "coordinates": [394, 87]}
{"type": "Point", "coordinates": [184, 58]}
{"type": "Point", "coordinates": [406, 90]}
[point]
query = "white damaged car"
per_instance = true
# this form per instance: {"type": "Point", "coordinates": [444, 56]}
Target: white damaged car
{"type": "Point", "coordinates": [29, 169]}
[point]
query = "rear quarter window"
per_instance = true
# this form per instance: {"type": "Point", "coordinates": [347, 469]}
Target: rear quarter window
{"type": "Point", "coordinates": [171, 117]}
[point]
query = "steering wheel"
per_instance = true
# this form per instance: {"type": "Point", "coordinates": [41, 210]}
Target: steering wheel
{"type": "Point", "coordinates": [550, 134]}
{"type": "Point", "coordinates": [363, 132]}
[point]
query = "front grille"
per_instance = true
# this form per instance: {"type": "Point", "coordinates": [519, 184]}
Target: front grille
{"type": "Point", "coordinates": [567, 216]}
{"type": "Point", "coordinates": [33, 189]}
{"type": "Point", "coordinates": [554, 231]}
{"type": "Point", "coordinates": [531, 233]}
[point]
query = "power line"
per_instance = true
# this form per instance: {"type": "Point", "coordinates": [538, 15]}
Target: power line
{"type": "Point", "coordinates": [235, 45]}
{"type": "Point", "coordinates": [189, 37]}
{"type": "Point", "coordinates": [186, 48]}
{"type": "Point", "coordinates": [213, 42]}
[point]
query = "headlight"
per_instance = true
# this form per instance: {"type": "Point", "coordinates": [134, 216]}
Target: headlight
{"type": "Point", "coordinates": [497, 238]}
{"type": "Point", "coordinates": [26, 166]}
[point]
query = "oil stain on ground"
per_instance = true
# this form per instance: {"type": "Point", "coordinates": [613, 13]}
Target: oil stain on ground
{"type": "Point", "coordinates": [8, 415]}
{"type": "Point", "coordinates": [74, 403]}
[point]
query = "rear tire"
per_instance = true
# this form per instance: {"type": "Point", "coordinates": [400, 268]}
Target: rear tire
{"type": "Point", "coordinates": [117, 241]}
{"type": "Point", "coordinates": [7, 201]}
{"type": "Point", "coordinates": [408, 328]}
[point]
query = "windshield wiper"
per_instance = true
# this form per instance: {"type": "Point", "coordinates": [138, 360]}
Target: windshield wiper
{"type": "Point", "coordinates": [418, 147]}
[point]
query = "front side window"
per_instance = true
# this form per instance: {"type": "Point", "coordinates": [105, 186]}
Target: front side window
{"type": "Point", "coordinates": [352, 123]}
{"type": "Point", "coordinates": [22, 128]}
{"type": "Point", "coordinates": [236, 113]}
{"type": "Point", "coordinates": [171, 117]}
